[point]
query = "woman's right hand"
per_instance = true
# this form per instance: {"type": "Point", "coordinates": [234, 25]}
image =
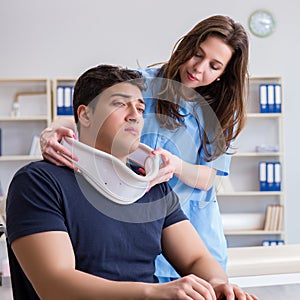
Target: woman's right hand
{"type": "Point", "coordinates": [51, 148]}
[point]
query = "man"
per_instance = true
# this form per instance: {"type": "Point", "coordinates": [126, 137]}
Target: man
{"type": "Point", "coordinates": [68, 249]}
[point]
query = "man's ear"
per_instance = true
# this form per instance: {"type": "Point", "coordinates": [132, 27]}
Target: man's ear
{"type": "Point", "coordinates": [84, 114]}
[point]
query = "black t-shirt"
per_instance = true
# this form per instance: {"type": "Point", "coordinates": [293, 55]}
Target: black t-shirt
{"type": "Point", "coordinates": [113, 241]}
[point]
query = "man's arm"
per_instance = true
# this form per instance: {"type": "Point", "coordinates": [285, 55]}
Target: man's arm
{"type": "Point", "coordinates": [185, 250]}
{"type": "Point", "coordinates": [188, 254]}
{"type": "Point", "coordinates": [48, 261]}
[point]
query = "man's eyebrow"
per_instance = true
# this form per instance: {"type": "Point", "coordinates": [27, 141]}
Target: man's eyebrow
{"type": "Point", "coordinates": [127, 97]}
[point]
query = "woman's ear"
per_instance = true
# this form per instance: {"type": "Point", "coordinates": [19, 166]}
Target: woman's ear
{"type": "Point", "coordinates": [84, 113]}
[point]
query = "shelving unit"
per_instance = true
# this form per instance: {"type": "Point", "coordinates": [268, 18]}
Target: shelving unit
{"type": "Point", "coordinates": [25, 112]}
{"type": "Point", "coordinates": [241, 196]}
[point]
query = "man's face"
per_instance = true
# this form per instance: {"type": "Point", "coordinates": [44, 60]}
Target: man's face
{"type": "Point", "coordinates": [117, 121]}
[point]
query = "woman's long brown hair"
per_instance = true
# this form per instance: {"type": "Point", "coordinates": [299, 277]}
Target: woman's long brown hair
{"type": "Point", "coordinates": [226, 97]}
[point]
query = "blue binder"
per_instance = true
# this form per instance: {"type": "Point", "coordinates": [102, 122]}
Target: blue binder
{"type": "Point", "coordinates": [263, 176]}
{"type": "Point", "coordinates": [64, 100]}
{"type": "Point", "coordinates": [271, 98]}
{"type": "Point", "coordinates": [68, 97]}
{"type": "Point", "coordinates": [278, 99]}
{"type": "Point", "coordinates": [263, 98]}
{"type": "Point", "coordinates": [60, 100]}
{"type": "Point", "coordinates": [277, 176]}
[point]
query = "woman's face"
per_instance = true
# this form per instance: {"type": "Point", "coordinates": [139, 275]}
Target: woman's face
{"type": "Point", "coordinates": [208, 63]}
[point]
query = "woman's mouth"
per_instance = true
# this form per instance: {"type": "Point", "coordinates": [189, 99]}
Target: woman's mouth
{"type": "Point", "coordinates": [191, 77]}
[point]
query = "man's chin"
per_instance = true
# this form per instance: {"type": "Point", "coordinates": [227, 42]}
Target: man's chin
{"type": "Point", "coordinates": [134, 146]}
{"type": "Point", "coordinates": [124, 149]}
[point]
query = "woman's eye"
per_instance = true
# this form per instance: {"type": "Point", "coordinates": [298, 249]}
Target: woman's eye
{"type": "Point", "coordinates": [215, 68]}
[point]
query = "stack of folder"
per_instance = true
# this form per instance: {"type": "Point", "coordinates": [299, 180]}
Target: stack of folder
{"type": "Point", "coordinates": [270, 98]}
{"type": "Point", "coordinates": [64, 100]}
{"type": "Point", "coordinates": [270, 176]}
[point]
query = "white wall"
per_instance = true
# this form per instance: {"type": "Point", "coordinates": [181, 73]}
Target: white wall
{"type": "Point", "coordinates": [63, 38]}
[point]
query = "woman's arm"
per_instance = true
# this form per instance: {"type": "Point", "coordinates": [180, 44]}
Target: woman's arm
{"type": "Point", "coordinates": [50, 141]}
{"type": "Point", "coordinates": [197, 176]}
{"type": "Point", "coordinates": [48, 261]}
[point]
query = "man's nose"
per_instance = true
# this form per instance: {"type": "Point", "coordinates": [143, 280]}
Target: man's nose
{"type": "Point", "coordinates": [133, 114]}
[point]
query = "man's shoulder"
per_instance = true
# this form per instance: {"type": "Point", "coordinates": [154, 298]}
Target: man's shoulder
{"type": "Point", "coordinates": [42, 167]}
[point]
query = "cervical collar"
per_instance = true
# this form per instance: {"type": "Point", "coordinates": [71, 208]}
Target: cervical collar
{"type": "Point", "coordinates": [109, 175]}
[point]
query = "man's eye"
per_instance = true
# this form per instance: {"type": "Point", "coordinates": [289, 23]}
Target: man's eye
{"type": "Point", "coordinates": [140, 109]}
{"type": "Point", "coordinates": [119, 103]}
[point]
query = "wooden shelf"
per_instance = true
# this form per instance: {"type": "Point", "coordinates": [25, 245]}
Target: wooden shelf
{"type": "Point", "coordinates": [25, 112]}
{"type": "Point", "coordinates": [252, 232]}
{"type": "Point", "coordinates": [24, 119]}
{"type": "Point", "coordinates": [262, 131]}
{"type": "Point", "coordinates": [264, 115]}
{"type": "Point", "coordinates": [250, 193]}
{"type": "Point", "coordinates": [257, 154]}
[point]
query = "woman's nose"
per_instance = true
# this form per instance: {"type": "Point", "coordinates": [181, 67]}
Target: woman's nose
{"type": "Point", "coordinates": [200, 66]}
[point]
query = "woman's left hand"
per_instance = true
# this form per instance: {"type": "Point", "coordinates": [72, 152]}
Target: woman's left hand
{"type": "Point", "coordinates": [169, 166]}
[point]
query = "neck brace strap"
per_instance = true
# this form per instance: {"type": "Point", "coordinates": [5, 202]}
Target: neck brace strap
{"type": "Point", "coordinates": [109, 175]}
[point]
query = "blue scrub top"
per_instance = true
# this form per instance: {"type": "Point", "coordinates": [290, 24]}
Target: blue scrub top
{"type": "Point", "coordinates": [186, 142]}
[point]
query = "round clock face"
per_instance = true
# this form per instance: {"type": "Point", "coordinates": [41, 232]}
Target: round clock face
{"type": "Point", "coordinates": [261, 23]}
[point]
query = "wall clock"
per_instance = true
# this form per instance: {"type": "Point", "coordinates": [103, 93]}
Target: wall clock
{"type": "Point", "coordinates": [261, 23]}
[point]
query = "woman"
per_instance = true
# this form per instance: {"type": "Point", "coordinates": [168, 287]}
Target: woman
{"type": "Point", "coordinates": [211, 60]}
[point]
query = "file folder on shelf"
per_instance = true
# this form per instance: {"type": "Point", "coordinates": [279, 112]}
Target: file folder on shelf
{"type": "Point", "coordinates": [270, 98]}
{"type": "Point", "coordinates": [263, 98]}
{"type": "Point", "coordinates": [263, 176]}
{"type": "Point", "coordinates": [270, 176]}
{"type": "Point", "coordinates": [277, 98]}
{"type": "Point", "coordinates": [64, 100]}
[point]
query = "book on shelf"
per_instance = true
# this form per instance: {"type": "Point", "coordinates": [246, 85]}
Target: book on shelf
{"type": "Point", "coordinates": [274, 217]}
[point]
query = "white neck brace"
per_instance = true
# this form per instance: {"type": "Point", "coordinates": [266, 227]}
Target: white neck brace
{"type": "Point", "coordinates": [109, 175]}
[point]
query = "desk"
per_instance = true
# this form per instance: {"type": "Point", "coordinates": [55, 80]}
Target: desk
{"type": "Point", "coordinates": [264, 266]}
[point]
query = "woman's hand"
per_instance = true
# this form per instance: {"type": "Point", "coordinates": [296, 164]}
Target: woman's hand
{"type": "Point", "coordinates": [51, 148]}
{"type": "Point", "coordinates": [167, 168]}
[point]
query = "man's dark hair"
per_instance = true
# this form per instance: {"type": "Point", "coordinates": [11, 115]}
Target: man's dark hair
{"type": "Point", "coordinates": [97, 79]}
